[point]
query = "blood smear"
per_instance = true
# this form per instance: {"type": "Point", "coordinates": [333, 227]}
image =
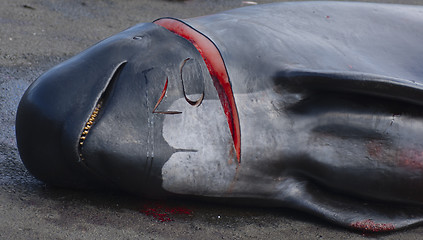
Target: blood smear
{"type": "Point", "coordinates": [164, 213]}
{"type": "Point", "coordinates": [370, 226]}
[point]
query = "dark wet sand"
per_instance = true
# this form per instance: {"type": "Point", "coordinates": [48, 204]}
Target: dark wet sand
{"type": "Point", "coordinates": [38, 34]}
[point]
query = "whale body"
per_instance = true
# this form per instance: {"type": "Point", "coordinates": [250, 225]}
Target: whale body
{"type": "Point", "coordinates": [315, 106]}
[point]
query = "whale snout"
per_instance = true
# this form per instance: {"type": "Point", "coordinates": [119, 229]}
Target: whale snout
{"type": "Point", "coordinates": [55, 109]}
{"type": "Point", "coordinates": [51, 116]}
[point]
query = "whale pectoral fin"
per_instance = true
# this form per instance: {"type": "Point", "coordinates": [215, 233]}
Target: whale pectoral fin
{"type": "Point", "coordinates": [352, 82]}
{"type": "Point", "coordinates": [346, 210]}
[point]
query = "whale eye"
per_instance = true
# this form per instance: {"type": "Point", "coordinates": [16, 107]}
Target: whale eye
{"type": "Point", "coordinates": [192, 82]}
{"type": "Point", "coordinates": [137, 37]}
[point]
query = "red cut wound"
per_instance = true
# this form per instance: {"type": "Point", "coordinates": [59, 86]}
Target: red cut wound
{"type": "Point", "coordinates": [160, 100]}
{"type": "Point", "coordinates": [217, 69]}
{"type": "Point", "coordinates": [161, 96]}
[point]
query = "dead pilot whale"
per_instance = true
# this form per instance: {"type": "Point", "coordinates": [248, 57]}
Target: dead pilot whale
{"type": "Point", "coordinates": [310, 105]}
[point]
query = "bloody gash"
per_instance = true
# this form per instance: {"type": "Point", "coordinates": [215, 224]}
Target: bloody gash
{"type": "Point", "coordinates": [315, 106]}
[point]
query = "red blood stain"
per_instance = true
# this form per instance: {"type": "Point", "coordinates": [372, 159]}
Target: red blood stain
{"type": "Point", "coordinates": [370, 226]}
{"type": "Point", "coordinates": [411, 158]}
{"type": "Point", "coordinates": [375, 149]}
{"type": "Point", "coordinates": [403, 157]}
{"type": "Point", "coordinates": [217, 69]}
{"type": "Point", "coordinates": [164, 213]}
{"type": "Point", "coordinates": [383, 152]}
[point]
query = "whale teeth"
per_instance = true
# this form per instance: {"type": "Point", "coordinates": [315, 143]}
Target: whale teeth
{"type": "Point", "coordinates": [93, 117]}
{"type": "Point", "coordinates": [89, 124]}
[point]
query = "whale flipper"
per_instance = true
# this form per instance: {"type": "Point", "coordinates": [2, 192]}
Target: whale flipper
{"type": "Point", "coordinates": [352, 82]}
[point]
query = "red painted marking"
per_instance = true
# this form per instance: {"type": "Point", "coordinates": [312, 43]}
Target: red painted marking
{"type": "Point", "coordinates": [369, 225]}
{"type": "Point", "coordinates": [217, 69]}
{"type": "Point", "coordinates": [163, 213]}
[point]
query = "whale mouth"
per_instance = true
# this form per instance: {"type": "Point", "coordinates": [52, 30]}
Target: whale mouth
{"type": "Point", "coordinates": [89, 124]}
{"type": "Point", "coordinates": [94, 116]}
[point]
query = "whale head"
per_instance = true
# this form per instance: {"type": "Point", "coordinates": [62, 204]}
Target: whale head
{"type": "Point", "coordinates": [96, 119]}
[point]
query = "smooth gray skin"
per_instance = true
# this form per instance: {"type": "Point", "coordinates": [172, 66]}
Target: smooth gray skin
{"type": "Point", "coordinates": [31, 211]}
